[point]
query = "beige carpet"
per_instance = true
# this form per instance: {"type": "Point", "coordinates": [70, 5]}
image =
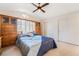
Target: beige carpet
{"type": "Point", "coordinates": [11, 51]}
{"type": "Point", "coordinates": [63, 49]}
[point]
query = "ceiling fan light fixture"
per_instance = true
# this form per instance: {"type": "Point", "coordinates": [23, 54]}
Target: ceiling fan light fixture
{"type": "Point", "coordinates": [39, 7]}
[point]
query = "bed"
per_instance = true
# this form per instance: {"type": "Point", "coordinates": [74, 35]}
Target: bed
{"type": "Point", "coordinates": [36, 45]}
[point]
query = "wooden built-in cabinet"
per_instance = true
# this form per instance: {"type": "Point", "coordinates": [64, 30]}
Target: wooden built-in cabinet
{"type": "Point", "coordinates": [8, 31]}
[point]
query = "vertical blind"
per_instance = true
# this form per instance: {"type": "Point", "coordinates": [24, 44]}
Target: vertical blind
{"type": "Point", "coordinates": [25, 26]}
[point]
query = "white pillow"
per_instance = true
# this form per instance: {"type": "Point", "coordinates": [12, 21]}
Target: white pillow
{"type": "Point", "coordinates": [30, 34]}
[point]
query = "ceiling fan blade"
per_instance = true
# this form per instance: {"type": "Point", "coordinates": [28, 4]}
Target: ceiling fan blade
{"type": "Point", "coordinates": [42, 10]}
{"type": "Point", "coordinates": [44, 4]}
{"type": "Point", "coordinates": [35, 10]}
{"type": "Point", "coordinates": [34, 5]}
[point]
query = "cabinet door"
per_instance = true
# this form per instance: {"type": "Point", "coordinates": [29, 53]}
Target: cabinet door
{"type": "Point", "coordinates": [5, 19]}
{"type": "Point", "coordinates": [9, 32]}
{"type": "Point", "coordinates": [13, 21]}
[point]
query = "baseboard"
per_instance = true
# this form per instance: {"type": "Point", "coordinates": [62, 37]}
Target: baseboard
{"type": "Point", "coordinates": [68, 43]}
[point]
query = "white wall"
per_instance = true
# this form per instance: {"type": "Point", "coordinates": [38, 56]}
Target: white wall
{"type": "Point", "coordinates": [52, 29]}
{"type": "Point", "coordinates": [69, 28]}
{"type": "Point", "coordinates": [64, 28]}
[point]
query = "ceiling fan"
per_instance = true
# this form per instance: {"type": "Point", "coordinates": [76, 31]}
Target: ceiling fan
{"type": "Point", "coordinates": [39, 7]}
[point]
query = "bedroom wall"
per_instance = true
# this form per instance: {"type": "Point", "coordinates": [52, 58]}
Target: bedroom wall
{"type": "Point", "coordinates": [52, 29]}
{"type": "Point", "coordinates": [69, 28]}
{"type": "Point", "coordinates": [64, 28]}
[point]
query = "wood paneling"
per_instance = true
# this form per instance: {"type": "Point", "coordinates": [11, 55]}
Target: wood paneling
{"type": "Point", "coordinates": [0, 26]}
{"type": "Point", "coordinates": [8, 34]}
{"type": "Point", "coordinates": [38, 28]}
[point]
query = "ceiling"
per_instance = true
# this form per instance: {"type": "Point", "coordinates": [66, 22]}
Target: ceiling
{"type": "Point", "coordinates": [52, 10]}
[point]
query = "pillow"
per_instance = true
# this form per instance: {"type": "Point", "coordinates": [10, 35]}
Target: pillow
{"type": "Point", "coordinates": [21, 35]}
{"type": "Point", "coordinates": [30, 34]}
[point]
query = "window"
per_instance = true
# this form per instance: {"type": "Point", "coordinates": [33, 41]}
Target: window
{"type": "Point", "coordinates": [19, 25]}
{"type": "Point", "coordinates": [33, 26]}
{"type": "Point", "coordinates": [25, 26]}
